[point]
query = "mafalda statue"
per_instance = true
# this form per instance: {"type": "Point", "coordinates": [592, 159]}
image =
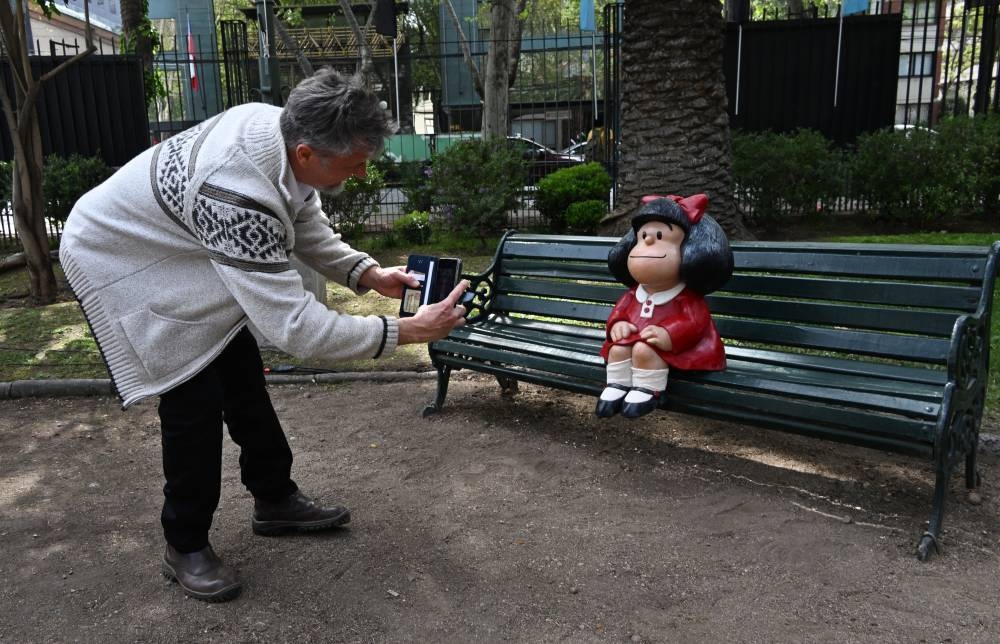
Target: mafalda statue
{"type": "Point", "coordinates": [671, 258]}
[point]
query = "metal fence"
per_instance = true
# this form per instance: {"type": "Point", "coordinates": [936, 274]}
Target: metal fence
{"type": "Point", "coordinates": [568, 83]}
{"type": "Point", "coordinates": [948, 52]}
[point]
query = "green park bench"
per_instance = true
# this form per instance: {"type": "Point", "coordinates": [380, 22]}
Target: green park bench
{"type": "Point", "coordinates": [883, 346]}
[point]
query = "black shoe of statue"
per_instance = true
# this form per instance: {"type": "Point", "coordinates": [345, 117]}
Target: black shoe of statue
{"type": "Point", "coordinates": [608, 408]}
{"type": "Point", "coordinates": [637, 409]}
{"type": "Point", "coordinates": [201, 574]}
{"type": "Point", "coordinates": [296, 512]}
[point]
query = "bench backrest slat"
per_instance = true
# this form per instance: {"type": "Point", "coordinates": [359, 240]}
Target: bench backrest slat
{"type": "Point", "coordinates": [932, 264]}
{"type": "Point", "coordinates": [938, 323]}
{"type": "Point", "coordinates": [951, 297]}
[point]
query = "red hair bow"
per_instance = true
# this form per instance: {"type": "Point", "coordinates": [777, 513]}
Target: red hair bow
{"type": "Point", "coordinates": [693, 206]}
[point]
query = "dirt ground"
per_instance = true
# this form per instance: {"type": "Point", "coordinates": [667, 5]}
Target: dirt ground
{"type": "Point", "coordinates": [499, 520]}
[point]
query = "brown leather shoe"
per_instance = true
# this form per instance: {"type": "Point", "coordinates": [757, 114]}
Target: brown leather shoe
{"type": "Point", "coordinates": [201, 574]}
{"type": "Point", "coordinates": [296, 512]}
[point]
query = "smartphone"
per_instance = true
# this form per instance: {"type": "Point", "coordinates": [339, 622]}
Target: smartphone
{"type": "Point", "coordinates": [437, 277]}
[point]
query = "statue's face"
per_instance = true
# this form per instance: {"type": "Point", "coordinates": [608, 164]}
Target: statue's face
{"type": "Point", "coordinates": [655, 261]}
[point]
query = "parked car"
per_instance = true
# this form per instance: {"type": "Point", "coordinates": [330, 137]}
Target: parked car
{"type": "Point", "coordinates": [542, 160]}
{"type": "Point", "coordinates": [577, 149]}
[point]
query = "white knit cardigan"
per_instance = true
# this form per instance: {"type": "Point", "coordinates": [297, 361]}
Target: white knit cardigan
{"type": "Point", "coordinates": [174, 254]}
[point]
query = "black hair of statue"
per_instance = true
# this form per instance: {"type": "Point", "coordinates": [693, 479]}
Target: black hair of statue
{"type": "Point", "coordinates": [706, 258]}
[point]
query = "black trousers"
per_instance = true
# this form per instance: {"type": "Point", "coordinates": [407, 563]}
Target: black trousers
{"type": "Point", "coordinates": [230, 389]}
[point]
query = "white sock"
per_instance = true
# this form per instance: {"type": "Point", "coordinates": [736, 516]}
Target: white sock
{"type": "Point", "coordinates": [652, 379]}
{"type": "Point", "coordinates": [618, 373]}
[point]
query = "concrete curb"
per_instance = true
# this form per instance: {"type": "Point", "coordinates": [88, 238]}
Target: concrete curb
{"type": "Point", "coordinates": [102, 386]}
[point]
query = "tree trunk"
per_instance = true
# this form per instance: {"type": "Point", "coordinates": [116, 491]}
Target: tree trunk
{"type": "Point", "coordinates": [496, 97]}
{"type": "Point", "coordinates": [29, 219]}
{"type": "Point", "coordinates": [674, 125]}
{"type": "Point", "coordinates": [19, 112]}
{"type": "Point", "coordinates": [135, 40]}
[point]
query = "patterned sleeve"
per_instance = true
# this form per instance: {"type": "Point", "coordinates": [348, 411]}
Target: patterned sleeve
{"type": "Point", "coordinates": [238, 231]}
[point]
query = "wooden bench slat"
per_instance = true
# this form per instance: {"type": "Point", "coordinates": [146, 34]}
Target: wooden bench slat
{"type": "Point", "coordinates": [821, 413]}
{"type": "Point", "coordinates": [586, 248]}
{"type": "Point", "coordinates": [592, 373]}
{"type": "Point", "coordinates": [562, 309]}
{"type": "Point", "coordinates": [914, 321]}
{"type": "Point", "coordinates": [560, 289]}
{"type": "Point", "coordinates": [932, 296]}
{"type": "Point", "coordinates": [595, 272]}
{"type": "Point", "coordinates": [817, 421]}
{"type": "Point", "coordinates": [901, 347]}
{"type": "Point", "coordinates": [922, 267]}
{"type": "Point", "coordinates": [918, 376]}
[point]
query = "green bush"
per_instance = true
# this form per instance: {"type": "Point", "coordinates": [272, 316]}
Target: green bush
{"type": "Point", "coordinates": [360, 199]}
{"type": "Point", "coordinates": [414, 228]}
{"type": "Point", "coordinates": [584, 216]}
{"type": "Point", "coordinates": [566, 186]}
{"type": "Point", "coordinates": [783, 174]}
{"type": "Point", "coordinates": [971, 148]}
{"type": "Point", "coordinates": [66, 179]}
{"type": "Point", "coordinates": [416, 185]}
{"type": "Point", "coordinates": [475, 183]}
{"type": "Point", "coordinates": [909, 175]}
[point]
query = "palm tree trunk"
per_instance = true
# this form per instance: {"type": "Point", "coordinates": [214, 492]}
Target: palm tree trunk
{"type": "Point", "coordinates": [674, 124]}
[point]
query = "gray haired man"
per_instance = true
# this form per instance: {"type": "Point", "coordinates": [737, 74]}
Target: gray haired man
{"type": "Point", "coordinates": [189, 242]}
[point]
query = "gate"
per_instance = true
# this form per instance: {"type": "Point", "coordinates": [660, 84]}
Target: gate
{"type": "Point", "coordinates": [837, 79]}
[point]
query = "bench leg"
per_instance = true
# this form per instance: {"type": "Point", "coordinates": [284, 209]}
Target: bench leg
{"type": "Point", "coordinates": [444, 375]}
{"type": "Point", "coordinates": [929, 539]}
{"type": "Point", "coordinates": [508, 386]}
{"type": "Point", "coordinates": [972, 478]}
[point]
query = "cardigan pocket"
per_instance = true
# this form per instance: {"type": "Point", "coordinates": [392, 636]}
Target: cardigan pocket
{"type": "Point", "coordinates": [165, 345]}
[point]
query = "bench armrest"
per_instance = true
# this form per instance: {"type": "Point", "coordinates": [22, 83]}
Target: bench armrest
{"type": "Point", "coordinates": [965, 395]}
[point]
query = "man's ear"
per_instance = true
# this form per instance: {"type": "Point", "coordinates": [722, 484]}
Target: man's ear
{"type": "Point", "coordinates": [303, 153]}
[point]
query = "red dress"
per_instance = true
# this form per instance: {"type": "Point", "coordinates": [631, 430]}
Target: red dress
{"type": "Point", "coordinates": [696, 343]}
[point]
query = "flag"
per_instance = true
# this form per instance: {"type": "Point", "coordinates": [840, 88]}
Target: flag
{"type": "Point", "coordinates": [385, 18]}
{"type": "Point", "coordinates": [586, 15]}
{"type": "Point", "coordinates": [853, 6]}
{"type": "Point", "coordinates": [191, 49]}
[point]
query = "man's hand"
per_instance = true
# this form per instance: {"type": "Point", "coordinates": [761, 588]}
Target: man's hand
{"type": "Point", "coordinates": [388, 281]}
{"type": "Point", "coordinates": [434, 321]}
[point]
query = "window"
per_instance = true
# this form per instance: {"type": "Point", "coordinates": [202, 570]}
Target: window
{"type": "Point", "coordinates": [916, 64]}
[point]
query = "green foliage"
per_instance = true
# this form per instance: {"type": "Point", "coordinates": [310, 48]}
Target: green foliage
{"type": "Point", "coordinates": [414, 228]}
{"type": "Point", "coordinates": [566, 186]}
{"type": "Point", "coordinates": [908, 175]}
{"type": "Point", "coordinates": [66, 179]}
{"type": "Point", "coordinates": [783, 174]}
{"type": "Point", "coordinates": [475, 183]}
{"type": "Point", "coordinates": [353, 207]}
{"type": "Point", "coordinates": [415, 184]}
{"type": "Point", "coordinates": [584, 216]}
{"type": "Point", "coordinates": [971, 149]}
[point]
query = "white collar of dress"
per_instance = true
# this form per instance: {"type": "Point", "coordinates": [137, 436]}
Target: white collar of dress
{"type": "Point", "coordinates": [658, 298]}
